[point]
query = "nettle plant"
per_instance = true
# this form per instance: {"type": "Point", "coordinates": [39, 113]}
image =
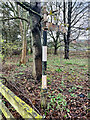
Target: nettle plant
{"type": "Point", "coordinates": [57, 103]}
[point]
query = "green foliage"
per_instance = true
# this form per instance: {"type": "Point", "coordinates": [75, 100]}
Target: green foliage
{"type": "Point", "coordinates": [1, 56]}
{"type": "Point", "coordinates": [80, 62]}
{"type": "Point", "coordinates": [68, 63]}
{"type": "Point", "coordinates": [79, 86]}
{"type": "Point", "coordinates": [30, 60]}
{"type": "Point", "coordinates": [60, 89]}
{"type": "Point", "coordinates": [73, 95]}
{"type": "Point", "coordinates": [72, 89]}
{"type": "Point", "coordinates": [48, 78]}
{"type": "Point", "coordinates": [81, 65]}
{"type": "Point", "coordinates": [88, 28]}
{"type": "Point", "coordinates": [65, 116]}
{"type": "Point", "coordinates": [88, 95]}
{"type": "Point", "coordinates": [57, 102]}
{"type": "Point", "coordinates": [68, 110]}
{"type": "Point", "coordinates": [22, 65]}
{"type": "Point", "coordinates": [59, 70]}
{"type": "Point", "coordinates": [9, 47]}
{"type": "Point", "coordinates": [49, 83]}
{"type": "Point", "coordinates": [62, 84]}
{"type": "Point", "coordinates": [18, 64]}
{"type": "Point", "coordinates": [20, 73]}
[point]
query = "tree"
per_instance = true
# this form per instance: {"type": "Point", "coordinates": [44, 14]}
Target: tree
{"type": "Point", "coordinates": [74, 19]}
{"type": "Point", "coordinates": [20, 18]}
{"type": "Point", "coordinates": [23, 29]}
{"type": "Point", "coordinates": [34, 11]}
{"type": "Point", "coordinates": [10, 30]}
{"type": "Point", "coordinates": [54, 18]}
{"type": "Point", "coordinates": [66, 40]}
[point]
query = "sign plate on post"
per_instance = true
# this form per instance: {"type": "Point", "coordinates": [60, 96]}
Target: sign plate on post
{"type": "Point", "coordinates": [44, 53]}
{"type": "Point", "coordinates": [52, 27]}
{"type": "Point", "coordinates": [44, 82]}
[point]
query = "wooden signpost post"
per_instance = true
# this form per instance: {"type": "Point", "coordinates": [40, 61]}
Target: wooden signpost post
{"type": "Point", "coordinates": [51, 27]}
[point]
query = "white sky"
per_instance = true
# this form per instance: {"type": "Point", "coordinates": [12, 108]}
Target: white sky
{"type": "Point", "coordinates": [47, 0]}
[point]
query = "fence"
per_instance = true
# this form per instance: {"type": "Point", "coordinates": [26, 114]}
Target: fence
{"type": "Point", "coordinates": [20, 106]}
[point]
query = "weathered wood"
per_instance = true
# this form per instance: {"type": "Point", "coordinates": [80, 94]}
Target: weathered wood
{"type": "Point", "coordinates": [5, 111]}
{"type": "Point", "coordinates": [20, 106]}
{"type": "Point", "coordinates": [52, 27]}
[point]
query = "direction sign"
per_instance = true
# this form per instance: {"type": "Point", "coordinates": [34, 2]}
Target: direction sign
{"type": "Point", "coordinates": [51, 26]}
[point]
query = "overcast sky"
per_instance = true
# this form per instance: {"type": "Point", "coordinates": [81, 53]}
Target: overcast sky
{"type": "Point", "coordinates": [48, 0]}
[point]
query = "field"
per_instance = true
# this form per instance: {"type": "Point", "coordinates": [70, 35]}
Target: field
{"type": "Point", "coordinates": [68, 85]}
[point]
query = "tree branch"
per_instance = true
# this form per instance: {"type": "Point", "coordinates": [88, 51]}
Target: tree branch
{"type": "Point", "coordinates": [15, 18]}
{"type": "Point", "coordinates": [27, 8]}
{"type": "Point", "coordinates": [80, 28]}
{"type": "Point", "coordinates": [77, 20]}
{"type": "Point", "coordinates": [78, 14]}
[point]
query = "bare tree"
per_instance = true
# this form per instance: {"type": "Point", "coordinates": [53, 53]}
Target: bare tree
{"type": "Point", "coordinates": [55, 18]}
{"type": "Point", "coordinates": [74, 19]}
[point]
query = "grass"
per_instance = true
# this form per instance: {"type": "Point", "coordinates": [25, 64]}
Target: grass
{"type": "Point", "coordinates": [73, 61]}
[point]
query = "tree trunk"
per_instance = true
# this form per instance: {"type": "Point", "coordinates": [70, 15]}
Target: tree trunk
{"type": "Point", "coordinates": [66, 50]}
{"type": "Point", "coordinates": [37, 54]}
{"type": "Point", "coordinates": [23, 37]}
{"type": "Point", "coordinates": [31, 49]}
{"type": "Point", "coordinates": [55, 50]}
{"type": "Point", "coordinates": [36, 41]}
{"type": "Point", "coordinates": [56, 43]}
{"type": "Point", "coordinates": [23, 57]}
{"type": "Point", "coordinates": [66, 38]}
{"type": "Point", "coordinates": [24, 47]}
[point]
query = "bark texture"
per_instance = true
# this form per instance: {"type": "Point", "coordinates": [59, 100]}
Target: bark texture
{"type": "Point", "coordinates": [36, 37]}
{"type": "Point", "coordinates": [37, 54]}
{"type": "Point", "coordinates": [67, 37]}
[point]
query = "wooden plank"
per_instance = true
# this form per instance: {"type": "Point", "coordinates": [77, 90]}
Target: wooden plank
{"type": "Point", "coordinates": [21, 107]}
{"type": "Point", "coordinates": [5, 111]}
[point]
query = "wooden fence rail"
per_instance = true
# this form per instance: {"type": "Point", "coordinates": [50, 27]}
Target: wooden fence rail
{"type": "Point", "coordinates": [20, 106]}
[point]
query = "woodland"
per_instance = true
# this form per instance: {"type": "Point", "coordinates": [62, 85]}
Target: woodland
{"type": "Point", "coordinates": [63, 27]}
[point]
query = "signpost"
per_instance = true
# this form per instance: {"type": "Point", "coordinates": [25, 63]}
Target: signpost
{"type": "Point", "coordinates": [51, 27]}
{"type": "Point", "coordinates": [44, 62]}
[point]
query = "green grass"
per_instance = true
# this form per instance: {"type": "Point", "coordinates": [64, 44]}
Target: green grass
{"type": "Point", "coordinates": [20, 73]}
{"type": "Point", "coordinates": [80, 62]}
{"type": "Point", "coordinates": [59, 70]}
